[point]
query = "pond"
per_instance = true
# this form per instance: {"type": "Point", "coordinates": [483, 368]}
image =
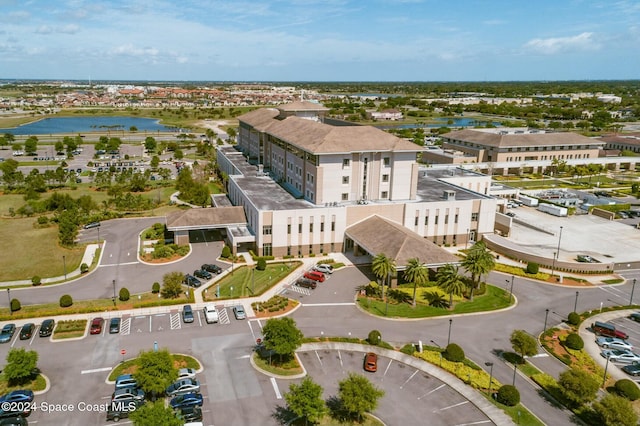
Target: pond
{"type": "Point", "coordinates": [74, 125]}
{"type": "Point", "coordinates": [440, 122]}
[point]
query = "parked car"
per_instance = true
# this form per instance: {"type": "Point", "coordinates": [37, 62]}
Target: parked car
{"type": "Point", "coordinates": [19, 395]}
{"type": "Point", "coordinates": [186, 400]}
{"type": "Point", "coordinates": [613, 343]}
{"type": "Point", "coordinates": [617, 355]}
{"type": "Point", "coordinates": [210, 314]}
{"type": "Point", "coordinates": [606, 329]}
{"type": "Point", "coordinates": [96, 325]}
{"type": "Point", "coordinates": [91, 225]}
{"type": "Point", "coordinates": [238, 312]}
{"type": "Point", "coordinates": [121, 409]}
{"type": "Point", "coordinates": [114, 326]}
{"type": "Point", "coordinates": [46, 329]}
{"type": "Point", "coordinates": [632, 369]}
{"type": "Point", "coordinates": [187, 314]}
{"type": "Point", "coordinates": [511, 214]}
{"type": "Point", "coordinates": [126, 381]}
{"type": "Point", "coordinates": [182, 387]}
{"type": "Point", "coordinates": [371, 362]}
{"type": "Point", "coordinates": [635, 316]}
{"type": "Point", "coordinates": [27, 331]}
{"type": "Point", "coordinates": [306, 283]}
{"type": "Point", "coordinates": [190, 414]}
{"type": "Point", "coordinates": [314, 275]}
{"type": "Point", "coordinates": [202, 273]}
{"type": "Point", "coordinates": [192, 281]}
{"type": "Point", "coordinates": [325, 268]}
{"type": "Point", "coordinates": [186, 373]}
{"type": "Point", "coordinates": [210, 267]}
{"type": "Point", "coordinates": [585, 258]}
{"type": "Point", "coordinates": [7, 333]}
{"type": "Point", "coordinates": [13, 421]}
{"type": "Point", "coordinates": [127, 393]}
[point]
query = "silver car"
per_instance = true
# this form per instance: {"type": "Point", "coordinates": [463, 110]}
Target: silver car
{"type": "Point", "coordinates": [613, 343]}
{"type": "Point", "coordinates": [616, 355]}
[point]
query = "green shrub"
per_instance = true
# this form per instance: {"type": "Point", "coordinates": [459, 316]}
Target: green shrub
{"type": "Point", "coordinates": [508, 395]}
{"type": "Point", "coordinates": [628, 389]}
{"type": "Point", "coordinates": [574, 341]}
{"type": "Point", "coordinates": [262, 264]}
{"type": "Point", "coordinates": [66, 301]}
{"type": "Point", "coordinates": [15, 305]}
{"type": "Point", "coordinates": [408, 349]}
{"type": "Point", "coordinates": [573, 318]}
{"type": "Point", "coordinates": [84, 268]}
{"type": "Point", "coordinates": [36, 280]}
{"type": "Point", "coordinates": [155, 288]}
{"type": "Point", "coordinates": [374, 337]}
{"type": "Point", "coordinates": [532, 268]}
{"type": "Point", "coordinates": [124, 294]}
{"type": "Point", "coordinates": [226, 252]}
{"type": "Point", "coordinates": [453, 353]}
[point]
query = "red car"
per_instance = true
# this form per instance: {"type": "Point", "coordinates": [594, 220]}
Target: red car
{"type": "Point", "coordinates": [314, 275]}
{"type": "Point", "coordinates": [96, 325]}
{"type": "Point", "coordinates": [371, 362]}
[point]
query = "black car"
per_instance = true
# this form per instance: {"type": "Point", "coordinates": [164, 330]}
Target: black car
{"type": "Point", "coordinates": [192, 281]}
{"type": "Point", "coordinates": [190, 414]}
{"type": "Point", "coordinates": [13, 421]}
{"type": "Point", "coordinates": [210, 267]}
{"type": "Point", "coordinates": [121, 409]}
{"type": "Point", "coordinates": [27, 331]}
{"type": "Point", "coordinates": [635, 316]}
{"type": "Point", "coordinates": [201, 273]}
{"type": "Point", "coordinates": [306, 283]}
{"type": "Point", "coordinates": [187, 313]}
{"type": "Point", "coordinates": [114, 326]}
{"type": "Point", "coordinates": [46, 329]}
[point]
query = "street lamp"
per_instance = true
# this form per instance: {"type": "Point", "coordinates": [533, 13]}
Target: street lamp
{"type": "Point", "coordinates": [511, 289]}
{"type": "Point", "coordinates": [633, 287]}
{"type": "Point", "coordinates": [64, 264]}
{"type": "Point", "coordinates": [114, 292]}
{"type": "Point", "coordinates": [575, 305]}
{"type": "Point", "coordinates": [449, 336]}
{"type": "Point", "coordinates": [515, 368]}
{"type": "Point", "coordinates": [559, 238]}
{"type": "Point", "coordinates": [490, 365]}
{"type": "Point", "coordinates": [9, 296]}
{"type": "Point", "coordinates": [553, 264]}
{"type": "Point", "coordinates": [546, 314]}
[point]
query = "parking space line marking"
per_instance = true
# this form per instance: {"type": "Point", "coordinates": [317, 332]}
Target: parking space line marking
{"type": "Point", "coordinates": [275, 388]}
{"type": "Point", "coordinates": [451, 406]}
{"type": "Point", "coordinates": [251, 329]}
{"type": "Point", "coordinates": [150, 325]}
{"type": "Point", "coordinates": [125, 327]}
{"type": "Point", "coordinates": [432, 391]}
{"type": "Point", "coordinates": [199, 319]}
{"type": "Point", "coordinates": [387, 369]}
{"type": "Point", "coordinates": [340, 358]}
{"type": "Point", "coordinates": [159, 315]}
{"type": "Point", "coordinates": [475, 423]}
{"type": "Point", "coordinates": [318, 356]}
{"type": "Point", "coordinates": [96, 370]}
{"type": "Point", "coordinates": [410, 377]}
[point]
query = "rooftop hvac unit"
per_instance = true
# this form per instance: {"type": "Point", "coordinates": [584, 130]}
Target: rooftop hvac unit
{"type": "Point", "coordinates": [449, 194]}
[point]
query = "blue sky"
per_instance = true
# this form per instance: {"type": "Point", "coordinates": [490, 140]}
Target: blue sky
{"type": "Point", "coordinates": [320, 40]}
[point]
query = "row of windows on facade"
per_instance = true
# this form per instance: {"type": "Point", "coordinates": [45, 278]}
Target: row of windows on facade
{"type": "Point", "coordinates": [474, 218]}
{"type": "Point", "coordinates": [267, 249]}
{"type": "Point", "coordinates": [549, 157]}
{"type": "Point", "coordinates": [525, 148]}
{"type": "Point", "coordinates": [386, 162]}
{"type": "Point", "coordinates": [268, 229]}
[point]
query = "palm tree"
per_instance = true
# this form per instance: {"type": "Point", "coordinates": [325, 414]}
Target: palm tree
{"type": "Point", "coordinates": [479, 262]}
{"type": "Point", "coordinates": [416, 273]}
{"type": "Point", "coordinates": [450, 281]}
{"type": "Point", "coordinates": [383, 267]}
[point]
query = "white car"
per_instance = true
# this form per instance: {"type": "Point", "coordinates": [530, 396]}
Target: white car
{"type": "Point", "coordinates": [613, 343]}
{"type": "Point", "coordinates": [617, 355]}
{"type": "Point", "coordinates": [210, 314]}
{"type": "Point", "coordinates": [325, 268]}
{"type": "Point", "coordinates": [186, 373]}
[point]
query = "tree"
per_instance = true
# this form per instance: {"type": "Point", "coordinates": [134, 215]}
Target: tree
{"type": "Point", "coordinates": [20, 366]}
{"type": "Point", "coordinates": [358, 395]}
{"type": "Point", "coordinates": [614, 410]}
{"type": "Point", "coordinates": [155, 162]}
{"type": "Point", "coordinates": [578, 386]}
{"type": "Point", "coordinates": [416, 273]}
{"type": "Point", "coordinates": [31, 145]}
{"type": "Point", "coordinates": [150, 144]}
{"type": "Point", "coordinates": [155, 371]}
{"type": "Point", "coordinates": [67, 227]}
{"type": "Point", "coordinates": [479, 262]}
{"type": "Point", "coordinates": [282, 336]}
{"type": "Point", "coordinates": [450, 281]}
{"type": "Point", "coordinates": [523, 343]}
{"type": "Point", "coordinates": [383, 268]}
{"type": "Point", "coordinates": [305, 400]}
{"type": "Point", "coordinates": [172, 285]}
{"type": "Point", "coordinates": [155, 413]}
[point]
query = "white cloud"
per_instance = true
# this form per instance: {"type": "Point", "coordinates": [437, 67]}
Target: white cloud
{"type": "Point", "coordinates": [67, 29]}
{"type": "Point", "coordinates": [131, 50]}
{"type": "Point", "coordinates": [553, 45]}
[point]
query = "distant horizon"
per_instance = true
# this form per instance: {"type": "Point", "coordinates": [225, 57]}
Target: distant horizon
{"type": "Point", "coordinates": [320, 40]}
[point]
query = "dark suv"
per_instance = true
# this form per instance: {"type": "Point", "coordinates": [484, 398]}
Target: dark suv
{"type": "Point", "coordinates": [190, 414]}
{"type": "Point", "coordinates": [202, 273]}
{"type": "Point", "coordinates": [47, 327]}
{"type": "Point", "coordinates": [192, 281]}
{"type": "Point", "coordinates": [210, 267]}
{"type": "Point", "coordinates": [306, 283]}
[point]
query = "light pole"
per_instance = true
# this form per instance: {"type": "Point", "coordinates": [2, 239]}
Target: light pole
{"type": "Point", "coordinates": [633, 287]}
{"type": "Point", "coordinates": [575, 304]}
{"type": "Point", "coordinates": [546, 314]}
{"type": "Point", "coordinates": [559, 239]}
{"type": "Point", "coordinates": [490, 365]}
{"type": "Point", "coordinates": [64, 265]}
{"type": "Point", "coordinates": [511, 288]}
{"type": "Point", "coordinates": [553, 264]}
{"type": "Point", "coordinates": [604, 378]}
{"type": "Point", "coordinates": [466, 243]}
{"type": "Point", "coordinates": [515, 368]}
{"type": "Point", "coordinates": [9, 296]}
{"type": "Point", "coordinates": [449, 336]}
{"type": "Point", "coordinates": [114, 292]}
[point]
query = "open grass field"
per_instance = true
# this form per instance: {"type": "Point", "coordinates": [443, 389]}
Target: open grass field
{"type": "Point", "coordinates": [247, 282]}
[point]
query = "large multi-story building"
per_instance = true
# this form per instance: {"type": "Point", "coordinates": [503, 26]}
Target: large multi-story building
{"type": "Point", "coordinates": [310, 187]}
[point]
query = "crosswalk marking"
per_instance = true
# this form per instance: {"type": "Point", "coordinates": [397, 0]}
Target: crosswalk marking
{"type": "Point", "coordinates": [223, 316]}
{"type": "Point", "coordinates": [300, 290]}
{"type": "Point", "coordinates": [125, 326]}
{"type": "Point", "coordinates": [175, 320]}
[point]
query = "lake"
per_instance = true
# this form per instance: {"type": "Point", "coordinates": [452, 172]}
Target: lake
{"type": "Point", "coordinates": [441, 122]}
{"type": "Point", "coordinates": [56, 125]}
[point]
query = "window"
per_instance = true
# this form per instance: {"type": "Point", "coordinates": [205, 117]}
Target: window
{"type": "Point", "coordinates": [345, 196]}
{"type": "Point", "coordinates": [474, 217]}
{"type": "Point", "coordinates": [289, 229]}
{"type": "Point", "coordinates": [416, 221]}
{"type": "Point", "coordinates": [311, 227]}
{"type": "Point", "coordinates": [436, 220]}
{"type": "Point", "coordinates": [456, 219]}
{"type": "Point", "coordinates": [385, 178]}
{"type": "Point", "coordinates": [321, 226]}
{"type": "Point", "coordinates": [426, 220]}
{"type": "Point", "coordinates": [310, 249]}
{"type": "Point", "coordinates": [346, 162]}
{"type": "Point", "coordinates": [266, 230]}
{"type": "Point", "coordinates": [288, 250]}
{"type": "Point", "coordinates": [446, 219]}
{"type": "Point", "coordinates": [266, 249]}
{"type": "Point", "coordinates": [299, 228]}
{"type": "Point", "coordinates": [333, 228]}
{"type": "Point", "coordinates": [386, 161]}
{"type": "Point", "coordinates": [345, 180]}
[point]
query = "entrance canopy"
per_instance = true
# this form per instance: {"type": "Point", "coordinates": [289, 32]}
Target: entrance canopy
{"type": "Point", "coordinates": [208, 218]}
{"type": "Point", "coordinates": [377, 235]}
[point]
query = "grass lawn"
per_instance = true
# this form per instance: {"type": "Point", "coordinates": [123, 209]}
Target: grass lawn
{"type": "Point", "coordinates": [69, 329]}
{"type": "Point", "coordinates": [130, 366]}
{"type": "Point", "coordinates": [288, 368]}
{"type": "Point", "coordinates": [37, 384]}
{"type": "Point", "coordinates": [494, 298]}
{"type": "Point", "coordinates": [244, 279]}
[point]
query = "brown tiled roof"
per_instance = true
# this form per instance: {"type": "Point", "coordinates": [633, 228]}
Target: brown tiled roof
{"type": "Point", "coordinates": [378, 235]}
{"type": "Point", "coordinates": [521, 139]}
{"type": "Point", "coordinates": [213, 217]}
{"type": "Point", "coordinates": [303, 106]}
